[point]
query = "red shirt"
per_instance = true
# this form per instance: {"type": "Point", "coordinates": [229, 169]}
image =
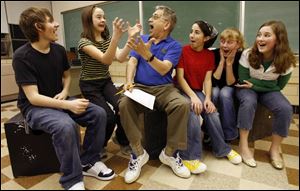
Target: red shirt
{"type": "Point", "coordinates": [195, 65]}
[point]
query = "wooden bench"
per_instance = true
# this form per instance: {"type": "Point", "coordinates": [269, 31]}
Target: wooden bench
{"type": "Point", "coordinates": [154, 129]}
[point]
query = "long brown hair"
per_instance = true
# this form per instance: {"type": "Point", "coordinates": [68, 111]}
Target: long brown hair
{"type": "Point", "coordinates": [87, 24]}
{"type": "Point", "coordinates": [283, 55]}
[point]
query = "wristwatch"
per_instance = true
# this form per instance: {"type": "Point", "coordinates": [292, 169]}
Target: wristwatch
{"type": "Point", "coordinates": [151, 58]}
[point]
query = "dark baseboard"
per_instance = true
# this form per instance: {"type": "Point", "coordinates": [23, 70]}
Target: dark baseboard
{"type": "Point", "coordinates": [6, 99]}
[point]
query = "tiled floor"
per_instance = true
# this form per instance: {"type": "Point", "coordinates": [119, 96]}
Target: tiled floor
{"type": "Point", "coordinates": [220, 174]}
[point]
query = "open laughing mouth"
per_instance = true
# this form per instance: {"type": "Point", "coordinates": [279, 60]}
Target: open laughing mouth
{"type": "Point", "coordinates": [101, 25]}
{"type": "Point", "coordinates": [226, 51]}
{"type": "Point", "coordinates": [261, 45]}
{"type": "Point", "coordinates": [151, 27]}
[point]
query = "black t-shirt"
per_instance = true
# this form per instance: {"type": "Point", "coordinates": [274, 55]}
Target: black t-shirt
{"type": "Point", "coordinates": [44, 70]}
{"type": "Point", "coordinates": [222, 81]}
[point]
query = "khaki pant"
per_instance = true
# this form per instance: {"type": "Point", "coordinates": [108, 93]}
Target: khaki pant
{"type": "Point", "coordinates": [168, 99]}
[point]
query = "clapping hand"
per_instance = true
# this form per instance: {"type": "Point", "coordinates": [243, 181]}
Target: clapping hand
{"type": "Point", "coordinates": [119, 27]}
{"type": "Point", "coordinates": [133, 30]}
{"type": "Point", "coordinates": [140, 47]}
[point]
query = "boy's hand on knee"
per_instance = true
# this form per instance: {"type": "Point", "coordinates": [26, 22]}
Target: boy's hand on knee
{"type": "Point", "coordinates": [78, 106]}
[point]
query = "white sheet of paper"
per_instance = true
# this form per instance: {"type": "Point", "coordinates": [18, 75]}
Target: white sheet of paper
{"type": "Point", "coordinates": [141, 97]}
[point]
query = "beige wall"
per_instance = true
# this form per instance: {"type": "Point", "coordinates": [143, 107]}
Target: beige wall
{"type": "Point", "coordinates": [291, 90]}
{"type": "Point", "coordinates": [9, 88]}
{"type": "Point", "coordinates": [15, 8]}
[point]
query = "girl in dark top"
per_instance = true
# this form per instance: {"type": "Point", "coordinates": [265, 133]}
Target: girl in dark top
{"type": "Point", "coordinates": [225, 76]}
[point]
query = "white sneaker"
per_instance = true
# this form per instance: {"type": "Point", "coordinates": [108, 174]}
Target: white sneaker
{"type": "Point", "coordinates": [99, 170]}
{"type": "Point", "coordinates": [176, 164]}
{"type": "Point", "coordinates": [134, 167]}
{"type": "Point", "coordinates": [195, 166]}
{"type": "Point", "coordinates": [234, 157]}
{"type": "Point", "coordinates": [77, 186]}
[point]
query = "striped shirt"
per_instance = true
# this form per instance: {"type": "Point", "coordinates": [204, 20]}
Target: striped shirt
{"type": "Point", "coordinates": [92, 69]}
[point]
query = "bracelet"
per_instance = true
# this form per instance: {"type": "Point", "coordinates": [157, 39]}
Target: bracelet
{"type": "Point", "coordinates": [151, 58]}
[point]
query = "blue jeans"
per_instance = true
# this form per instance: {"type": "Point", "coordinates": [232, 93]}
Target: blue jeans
{"type": "Point", "coordinates": [224, 101]}
{"type": "Point", "coordinates": [214, 129]}
{"type": "Point", "coordinates": [61, 125]}
{"type": "Point", "coordinates": [274, 101]}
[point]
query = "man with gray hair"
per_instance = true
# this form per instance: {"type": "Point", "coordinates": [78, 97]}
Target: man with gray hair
{"type": "Point", "coordinates": [150, 67]}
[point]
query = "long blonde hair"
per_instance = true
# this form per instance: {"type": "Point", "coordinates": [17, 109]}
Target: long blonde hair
{"type": "Point", "coordinates": [283, 56]}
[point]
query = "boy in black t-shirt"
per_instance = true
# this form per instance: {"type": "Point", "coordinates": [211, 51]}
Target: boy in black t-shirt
{"type": "Point", "coordinates": [43, 75]}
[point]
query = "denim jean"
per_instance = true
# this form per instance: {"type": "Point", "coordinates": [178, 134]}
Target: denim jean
{"type": "Point", "coordinates": [224, 100]}
{"type": "Point", "coordinates": [61, 125]}
{"type": "Point", "coordinates": [214, 129]}
{"type": "Point", "coordinates": [274, 101]}
{"type": "Point", "coordinates": [101, 92]}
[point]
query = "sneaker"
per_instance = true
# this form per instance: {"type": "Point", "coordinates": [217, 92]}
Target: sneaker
{"type": "Point", "coordinates": [125, 149]}
{"type": "Point", "coordinates": [77, 186]}
{"type": "Point", "coordinates": [234, 157]}
{"type": "Point", "coordinates": [176, 164]}
{"type": "Point", "coordinates": [103, 154]}
{"type": "Point", "coordinates": [99, 171]}
{"type": "Point", "coordinates": [134, 167]}
{"type": "Point", "coordinates": [195, 166]}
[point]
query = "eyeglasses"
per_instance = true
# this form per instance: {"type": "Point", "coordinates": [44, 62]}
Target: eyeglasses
{"type": "Point", "coordinates": [156, 17]}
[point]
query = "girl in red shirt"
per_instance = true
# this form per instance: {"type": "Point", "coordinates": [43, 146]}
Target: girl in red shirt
{"type": "Point", "coordinates": [194, 72]}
